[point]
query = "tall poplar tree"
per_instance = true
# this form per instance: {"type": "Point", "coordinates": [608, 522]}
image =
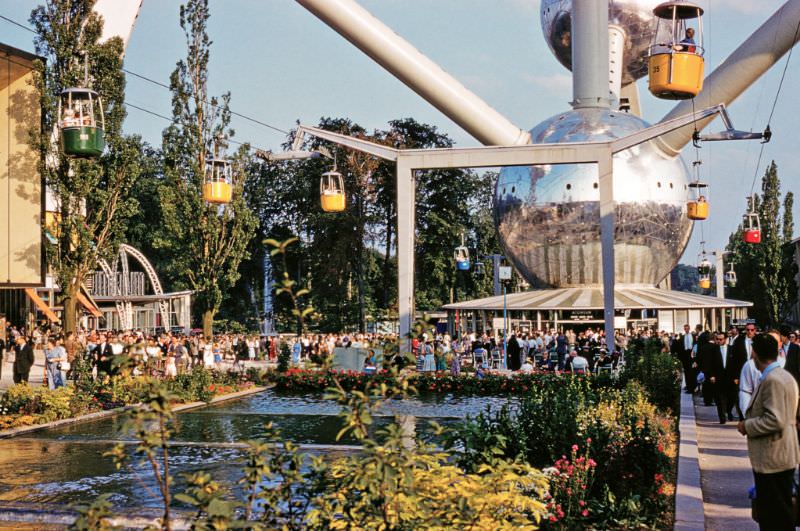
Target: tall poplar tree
{"type": "Point", "coordinates": [766, 270]}
{"type": "Point", "coordinates": [93, 194]}
{"type": "Point", "coordinates": [205, 243]}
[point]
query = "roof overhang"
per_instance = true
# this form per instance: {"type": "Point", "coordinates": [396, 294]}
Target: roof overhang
{"type": "Point", "coordinates": [591, 298]}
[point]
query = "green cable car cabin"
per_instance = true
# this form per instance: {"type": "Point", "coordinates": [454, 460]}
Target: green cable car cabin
{"type": "Point", "coordinates": [81, 122]}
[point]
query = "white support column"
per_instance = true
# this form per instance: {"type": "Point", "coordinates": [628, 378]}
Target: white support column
{"type": "Point", "coordinates": [607, 226]}
{"type": "Point", "coordinates": [720, 274]}
{"type": "Point", "coordinates": [406, 203]}
{"type": "Point", "coordinates": [616, 51]}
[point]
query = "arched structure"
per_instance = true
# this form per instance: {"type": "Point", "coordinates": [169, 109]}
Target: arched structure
{"type": "Point", "coordinates": [127, 290]}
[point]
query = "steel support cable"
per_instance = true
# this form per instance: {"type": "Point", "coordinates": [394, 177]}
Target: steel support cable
{"type": "Point", "coordinates": [774, 105]}
{"type": "Point", "coordinates": [164, 85]}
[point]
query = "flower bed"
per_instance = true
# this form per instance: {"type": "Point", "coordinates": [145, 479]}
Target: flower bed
{"type": "Point", "coordinates": [23, 405]}
{"type": "Point", "coordinates": [318, 380]}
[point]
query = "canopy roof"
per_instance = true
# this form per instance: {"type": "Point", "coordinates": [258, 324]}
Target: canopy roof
{"type": "Point", "coordinates": [591, 298]}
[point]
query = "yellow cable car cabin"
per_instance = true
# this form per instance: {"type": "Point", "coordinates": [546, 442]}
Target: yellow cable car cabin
{"type": "Point", "coordinates": [218, 188]}
{"type": "Point", "coordinates": [697, 207]}
{"type": "Point", "coordinates": [331, 191]}
{"type": "Point", "coordinates": [676, 65]}
{"type": "Point", "coordinates": [81, 122]}
{"type": "Point", "coordinates": [705, 282]}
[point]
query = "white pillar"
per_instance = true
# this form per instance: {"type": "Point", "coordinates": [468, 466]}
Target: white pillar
{"type": "Point", "coordinates": [607, 225]}
{"type": "Point", "coordinates": [406, 191]}
{"type": "Point", "coordinates": [589, 54]}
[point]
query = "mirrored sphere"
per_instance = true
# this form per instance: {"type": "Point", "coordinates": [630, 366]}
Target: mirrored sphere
{"type": "Point", "coordinates": [548, 216]}
{"type": "Point", "coordinates": [634, 17]}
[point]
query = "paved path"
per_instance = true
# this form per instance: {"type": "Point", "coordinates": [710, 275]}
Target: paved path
{"type": "Point", "coordinates": [724, 470]}
{"type": "Point", "coordinates": [37, 371]}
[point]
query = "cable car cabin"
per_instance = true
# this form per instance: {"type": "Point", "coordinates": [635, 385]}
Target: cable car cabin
{"type": "Point", "coordinates": [705, 282]}
{"type": "Point", "coordinates": [704, 267]}
{"type": "Point", "coordinates": [676, 65]}
{"type": "Point", "coordinates": [81, 122]}
{"type": "Point", "coordinates": [331, 191]}
{"type": "Point", "coordinates": [752, 228]}
{"type": "Point", "coordinates": [462, 258]}
{"type": "Point", "coordinates": [697, 207]}
{"type": "Point", "coordinates": [217, 188]}
{"type": "Point", "coordinates": [730, 278]}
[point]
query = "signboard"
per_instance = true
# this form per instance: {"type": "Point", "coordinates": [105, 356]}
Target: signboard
{"type": "Point", "coordinates": [582, 315]}
{"type": "Point", "coordinates": [504, 272]}
{"type": "Point", "coordinates": [743, 322]}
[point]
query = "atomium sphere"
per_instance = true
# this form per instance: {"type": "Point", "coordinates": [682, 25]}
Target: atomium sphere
{"type": "Point", "coordinates": [634, 17]}
{"type": "Point", "coordinates": [548, 216]}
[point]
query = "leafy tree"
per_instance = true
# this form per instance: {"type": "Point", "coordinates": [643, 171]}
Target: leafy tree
{"type": "Point", "coordinates": [349, 258]}
{"type": "Point", "coordinates": [766, 271]}
{"type": "Point", "coordinates": [93, 195]}
{"type": "Point", "coordinates": [685, 278]}
{"type": "Point", "coordinates": [205, 243]}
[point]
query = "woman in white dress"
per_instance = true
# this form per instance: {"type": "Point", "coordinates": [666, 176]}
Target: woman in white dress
{"type": "Point", "coordinates": [208, 354]}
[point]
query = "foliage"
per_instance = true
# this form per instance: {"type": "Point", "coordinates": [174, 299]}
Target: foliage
{"type": "Point", "coordinates": [397, 483]}
{"type": "Point", "coordinates": [657, 372]}
{"type": "Point", "coordinates": [284, 357]}
{"type": "Point", "coordinates": [318, 380]}
{"type": "Point", "coordinates": [627, 436]}
{"type": "Point", "coordinates": [685, 278]}
{"type": "Point", "coordinates": [205, 242]}
{"type": "Point", "coordinates": [23, 405]}
{"type": "Point", "coordinates": [93, 194]}
{"type": "Point", "coordinates": [350, 257]}
{"type": "Point", "coordinates": [570, 484]}
{"type": "Point", "coordinates": [95, 516]}
{"type": "Point", "coordinates": [766, 271]}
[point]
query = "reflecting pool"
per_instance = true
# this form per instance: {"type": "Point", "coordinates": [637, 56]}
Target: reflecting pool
{"type": "Point", "coordinates": [66, 465]}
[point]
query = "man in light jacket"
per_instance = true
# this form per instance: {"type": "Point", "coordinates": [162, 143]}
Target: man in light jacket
{"type": "Point", "coordinates": [770, 427]}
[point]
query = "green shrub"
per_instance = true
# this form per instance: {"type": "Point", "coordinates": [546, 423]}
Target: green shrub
{"type": "Point", "coordinates": [658, 372]}
{"type": "Point", "coordinates": [284, 356]}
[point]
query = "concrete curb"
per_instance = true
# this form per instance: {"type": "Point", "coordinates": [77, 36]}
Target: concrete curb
{"type": "Point", "coordinates": [689, 508]}
{"type": "Point", "coordinates": [97, 415]}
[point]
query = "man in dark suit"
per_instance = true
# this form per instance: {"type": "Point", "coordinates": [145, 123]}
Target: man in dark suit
{"type": "Point", "coordinates": [724, 367]}
{"type": "Point", "coordinates": [705, 351]}
{"type": "Point", "coordinates": [23, 359]}
{"type": "Point", "coordinates": [682, 348]}
{"type": "Point", "coordinates": [102, 355]}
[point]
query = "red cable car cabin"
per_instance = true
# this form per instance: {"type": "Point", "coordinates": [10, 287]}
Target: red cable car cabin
{"type": "Point", "coordinates": [752, 228]}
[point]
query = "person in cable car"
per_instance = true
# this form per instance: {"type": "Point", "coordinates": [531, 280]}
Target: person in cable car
{"type": "Point", "coordinates": [701, 199]}
{"type": "Point", "coordinates": [687, 44]}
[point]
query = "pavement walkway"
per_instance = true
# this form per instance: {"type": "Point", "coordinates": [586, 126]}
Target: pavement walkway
{"type": "Point", "coordinates": [36, 375]}
{"type": "Point", "coordinates": [725, 471]}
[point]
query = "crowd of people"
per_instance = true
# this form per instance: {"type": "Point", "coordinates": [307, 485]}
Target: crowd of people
{"type": "Point", "coordinates": [752, 377]}
{"type": "Point", "coordinates": [584, 351]}
{"type": "Point", "coordinates": [164, 354]}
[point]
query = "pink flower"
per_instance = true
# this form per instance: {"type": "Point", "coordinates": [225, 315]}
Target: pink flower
{"type": "Point", "coordinates": [574, 447]}
{"type": "Point", "coordinates": [585, 513]}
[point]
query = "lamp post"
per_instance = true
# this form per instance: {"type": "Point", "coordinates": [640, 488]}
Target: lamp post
{"type": "Point", "coordinates": [504, 274]}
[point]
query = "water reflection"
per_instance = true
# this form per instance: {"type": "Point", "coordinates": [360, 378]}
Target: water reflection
{"type": "Point", "coordinates": [66, 465]}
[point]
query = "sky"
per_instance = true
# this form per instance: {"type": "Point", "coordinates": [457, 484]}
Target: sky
{"type": "Point", "coordinates": [283, 65]}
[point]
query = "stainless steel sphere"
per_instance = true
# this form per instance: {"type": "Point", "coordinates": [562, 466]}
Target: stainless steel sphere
{"type": "Point", "coordinates": [634, 17]}
{"type": "Point", "coordinates": [548, 216]}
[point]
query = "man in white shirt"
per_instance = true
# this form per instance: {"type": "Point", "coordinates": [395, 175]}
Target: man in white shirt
{"type": "Point", "coordinates": [748, 380]}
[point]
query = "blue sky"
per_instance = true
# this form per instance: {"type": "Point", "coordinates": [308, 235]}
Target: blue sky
{"type": "Point", "coordinates": [282, 64]}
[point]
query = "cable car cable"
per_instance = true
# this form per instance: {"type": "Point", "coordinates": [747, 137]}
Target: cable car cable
{"type": "Point", "coordinates": [160, 84]}
{"type": "Point", "coordinates": [774, 104]}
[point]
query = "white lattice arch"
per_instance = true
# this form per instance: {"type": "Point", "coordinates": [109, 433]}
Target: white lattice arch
{"type": "Point", "coordinates": [124, 306]}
